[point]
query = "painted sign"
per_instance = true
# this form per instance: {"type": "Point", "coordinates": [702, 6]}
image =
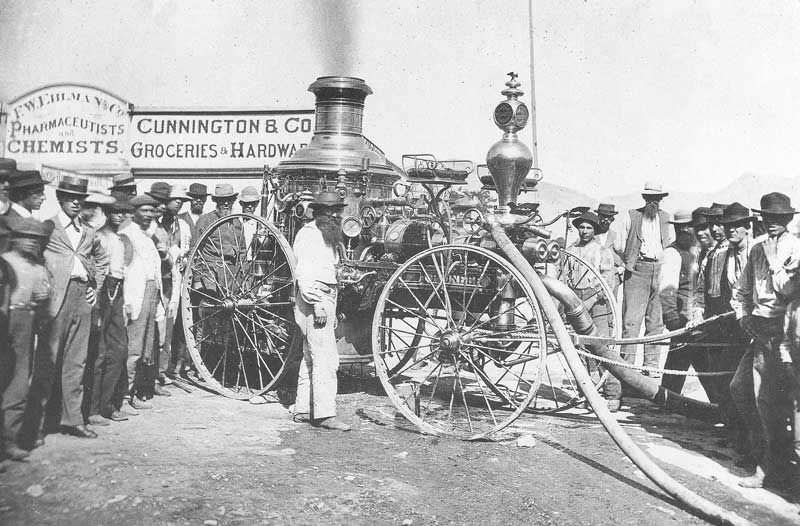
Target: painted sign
{"type": "Point", "coordinates": [208, 139]}
{"type": "Point", "coordinates": [66, 124]}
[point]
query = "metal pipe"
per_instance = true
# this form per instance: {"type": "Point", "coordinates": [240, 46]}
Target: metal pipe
{"type": "Point", "coordinates": [691, 500]}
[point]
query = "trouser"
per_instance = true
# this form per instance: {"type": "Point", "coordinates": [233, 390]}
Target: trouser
{"type": "Point", "coordinates": [316, 380]}
{"type": "Point", "coordinates": [640, 301]}
{"type": "Point", "coordinates": [60, 362]}
{"type": "Point", "coordinates": [18, 368]}
{"type": "Point", "coordinates": [108, 390]}
{"type": "Point", "coordinates": [602, 316]}
{"type": "Point", "coordinates": [142, 337]}
{"type": "Point", "coordinates": [681, 358]}
{"type": "Point", "coordinates": [758, 389]}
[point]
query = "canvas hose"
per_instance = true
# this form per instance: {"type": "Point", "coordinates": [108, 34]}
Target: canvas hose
{"type": "Point", "coordinates": [691, 500]}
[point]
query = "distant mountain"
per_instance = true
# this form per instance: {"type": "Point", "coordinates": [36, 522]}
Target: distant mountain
{"type": "Point", "coordinates": [746, 189]}
{"type": "Point", "coordinates": [554, 198]}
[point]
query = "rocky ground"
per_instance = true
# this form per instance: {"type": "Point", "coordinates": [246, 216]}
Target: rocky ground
{"type": "Point", "coordinates": [202, 459]}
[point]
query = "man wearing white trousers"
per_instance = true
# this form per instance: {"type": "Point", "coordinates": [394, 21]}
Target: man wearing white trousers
{"type": "Point", "coordinates": [316, 249]}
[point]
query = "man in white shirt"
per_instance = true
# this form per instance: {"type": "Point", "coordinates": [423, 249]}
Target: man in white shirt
{"type": "Point", "coordinates": [640, 238]}
{"type": "Point", "coordinates": [316, 248]}
{"type": "Point", "coordinates": [142, 295]}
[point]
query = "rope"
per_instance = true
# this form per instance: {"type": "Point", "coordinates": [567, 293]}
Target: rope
{"type": "Point", "coordinates": [588, 338]}
{"type": "Point", "coordinates": [651, 369]}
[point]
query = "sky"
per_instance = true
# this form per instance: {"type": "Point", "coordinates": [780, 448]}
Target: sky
{"type": "Point", "coordinates": [688, 94]}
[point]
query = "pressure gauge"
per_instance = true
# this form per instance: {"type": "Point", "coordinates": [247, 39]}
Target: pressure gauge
{"type": "Point", "coordinates": [351, 226]}
{"type": "Point", "coordinates": [521, 116]}
{"type": "Point", "coordinates": [503, 114]}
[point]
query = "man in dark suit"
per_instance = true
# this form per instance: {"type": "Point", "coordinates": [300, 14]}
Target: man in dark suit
{"type": "Point", "coordinates": [77, 265]}
{"type": "Point", "coordinates": [198, 194]}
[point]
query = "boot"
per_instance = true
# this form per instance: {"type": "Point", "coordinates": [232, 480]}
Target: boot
{"type": "Point", "coordinates": [332, 423]}
{"type": "Point", "coordinates": [753, 481]}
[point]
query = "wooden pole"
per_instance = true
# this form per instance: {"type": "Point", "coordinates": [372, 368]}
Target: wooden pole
{"type": "Point", "coordinates": [535, 144]}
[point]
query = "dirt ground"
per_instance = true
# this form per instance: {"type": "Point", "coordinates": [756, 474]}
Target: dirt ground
{"type": "Point", "coordinates": [199, 458]}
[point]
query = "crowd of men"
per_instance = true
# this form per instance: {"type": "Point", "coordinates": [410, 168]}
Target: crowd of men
{"type": "Point", "coordinates": [90, 328]}
{"type": "Point", "coordinates": [724, 281]}
{"type": "Point", "coordinates": [89, 325]}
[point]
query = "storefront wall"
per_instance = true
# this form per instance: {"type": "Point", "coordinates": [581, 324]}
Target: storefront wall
{"type": "Point", "coordinates": [86, 131]}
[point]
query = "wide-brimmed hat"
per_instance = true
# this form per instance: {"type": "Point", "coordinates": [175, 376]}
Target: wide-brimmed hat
{"type": "Point", "coordinates": [142, 200]}
{"type": "Point", "coordinates": [682, 217]}
{"type": "Point", "coordinates": [587, 217]}
{"type": "Point", "coordinates": [734, 213]}
{"type": "Point", "coordinates": [122, 181]}
{"type": "Point", "coordinates": [224, 191]}
{"type": "Point", "coordinates": [249, 195]}
{"type": "Point", "coordinates": [197, 190]}
{"type": "Point", "coordinates": [25, 179]}
{"type": "Point", "coordinates": [8, 167]}
{"type": "Point", "coordinates": [606, 209]}
{"type": "Point", "coordinates": [775, 203]}
{"type": "Point", "coordinates": [326, 198]}
{"type": "Point", "coordinates": [656, 189]}
{"type": "Point", "coordinates": [26, 227]}
{"type": "Point", "coordinates": [700, 216]}
{"type": "Point", "coordinates": [73, 185]}
{"type": "Point", "coordinates": [97, 198]}
{"type": "Point", "coordinates": [164, 192]}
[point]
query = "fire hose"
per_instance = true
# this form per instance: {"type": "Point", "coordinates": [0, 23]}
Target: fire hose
{"type": "Point", "coordinates": [544, 296]}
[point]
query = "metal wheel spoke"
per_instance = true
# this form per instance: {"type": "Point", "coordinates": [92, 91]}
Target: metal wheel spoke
{"type": "Point", "coordinates": [428, 318]}
{"type": "Point", "coordinates": [404, 349]}
{"type": "Point", "coordinates": [463, 396]}
{"type": "Point", "coordinates": [412, 364]}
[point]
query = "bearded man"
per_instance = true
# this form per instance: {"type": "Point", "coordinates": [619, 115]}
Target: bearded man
{"type": "Point", "coordinates": [640, 240]}
{"type": "Point", "coordinates": [317, 250]}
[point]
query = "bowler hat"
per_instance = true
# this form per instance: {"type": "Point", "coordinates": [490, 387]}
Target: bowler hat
{"type": "Point", "coordinates": [164, 192]}
{"type": "Point", "coordinates": [224, 191]}
{"type": "Point", "coordinates": [122, 181]}
{"type": "Point", "coordinates": [700, 217]}
{"type": "Point", "coordinates": [651, 188]}
{"type": "Point", "coordinates": [327, 198]}
{"type": "Point", "coordinates": [776, 203]}
{"type": "Point", "coordinates": [142, 200]}
{"type": "Point", "coordinates": [734, 213]}
{"type": "Point", "coordinates": [587, 217]}
{"type": "Point", "coordinates": [25, 179]}
{"type": "Point", "coordinates": [606, 209]}
{"type": "Point", "coordinates": [73, 185]}
{"type": "Point", "coordinates": [197, 190]}
{"type": "Point", "coordinates": [8, 167]}
{"type": "Point", "coordinates": [249, 195]}
{"type": "Point", "coordinates": [682, 217]}
{"type": "Point", "coordinates": [26, 227]}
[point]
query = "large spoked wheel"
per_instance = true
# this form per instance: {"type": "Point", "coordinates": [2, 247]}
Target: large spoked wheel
{"type": "Point", "coordinates": [559, 390]}
{"type": "Point", "coordinates": [457, 336]}
{"type": "Point", "coordinates": [237, 302]}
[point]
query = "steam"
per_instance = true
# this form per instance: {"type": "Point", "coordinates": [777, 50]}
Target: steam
{"type": "Point", "coordinates": [333, 24]}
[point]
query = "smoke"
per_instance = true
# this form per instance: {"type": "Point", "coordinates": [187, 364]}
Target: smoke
{"type": "Point", "coordinates": [333, 26]}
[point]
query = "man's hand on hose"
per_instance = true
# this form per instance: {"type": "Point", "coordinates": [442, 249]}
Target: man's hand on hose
{"type": "Point", "coordinates": [748, 326]}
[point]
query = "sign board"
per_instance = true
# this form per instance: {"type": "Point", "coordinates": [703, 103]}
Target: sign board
{"type": "Point", "coordinates": [214, 139]}
{"type": "Point", "coordinates": [66, 124]}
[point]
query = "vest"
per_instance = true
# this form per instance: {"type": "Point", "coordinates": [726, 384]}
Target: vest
{"type": "Point", "coordinates": [634, 242]}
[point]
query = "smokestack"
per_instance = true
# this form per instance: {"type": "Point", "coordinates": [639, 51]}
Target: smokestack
{"type": "Point", "coordinates": [338, 143]}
